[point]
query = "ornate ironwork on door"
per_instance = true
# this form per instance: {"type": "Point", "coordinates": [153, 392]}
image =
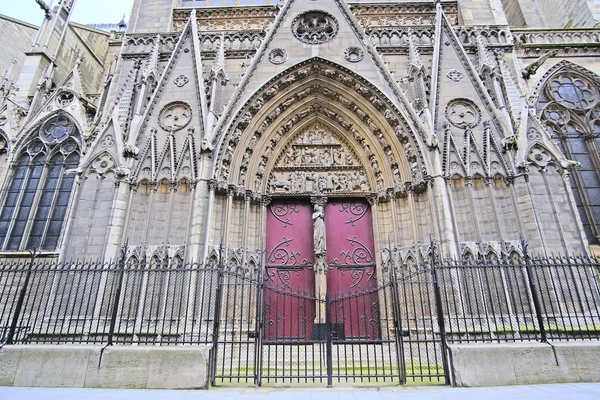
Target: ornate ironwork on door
{"type": "Point", "coordinates": [351, 270]}
{"type": "Point", "coordinates": [289, 270]}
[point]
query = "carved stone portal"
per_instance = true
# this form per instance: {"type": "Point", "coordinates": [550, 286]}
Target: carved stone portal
{"type": "Point", "coordinates": [317, 161]}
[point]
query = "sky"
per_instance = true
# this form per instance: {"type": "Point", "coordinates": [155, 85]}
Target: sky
{"type": "Point", "coordinates": [86, 11]}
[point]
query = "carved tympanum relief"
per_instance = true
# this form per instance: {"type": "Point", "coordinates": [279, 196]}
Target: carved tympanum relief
{"type": "Point", "coordinates": [315, 27]}
{"type": "Point", "coordinates": [540, 157]}
{"type": "Point", "coordinates": [316, 161]}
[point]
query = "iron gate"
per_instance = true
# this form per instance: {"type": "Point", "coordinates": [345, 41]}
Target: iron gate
{"type": "Point", "coordinates": [268, 335]}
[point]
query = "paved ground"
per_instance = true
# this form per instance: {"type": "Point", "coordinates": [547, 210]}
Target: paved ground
{"type": "Point", "coordinates": [580, 391]}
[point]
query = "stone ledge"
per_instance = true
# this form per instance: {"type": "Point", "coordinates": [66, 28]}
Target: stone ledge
{"type": "Point", "coordinates": [525, 363]}
{"type": "Point", "coordinates": [136, 367]}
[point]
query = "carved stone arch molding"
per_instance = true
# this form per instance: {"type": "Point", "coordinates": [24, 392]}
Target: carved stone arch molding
{"type": "Point", "coordinates": [320, 92]}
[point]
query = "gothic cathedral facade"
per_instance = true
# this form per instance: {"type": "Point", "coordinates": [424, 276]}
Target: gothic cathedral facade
{"type": "Point", "coordinates": [301, 132]}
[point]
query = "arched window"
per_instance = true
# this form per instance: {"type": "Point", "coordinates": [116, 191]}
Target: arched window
{"type": "Point", "coordinates": [37, 199]}
{"type": "Point", "coordinates": [569, 105]}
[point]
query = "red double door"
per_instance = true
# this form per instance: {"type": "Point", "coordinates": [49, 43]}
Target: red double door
{"type": "Point", "coordinates": [291, 304]}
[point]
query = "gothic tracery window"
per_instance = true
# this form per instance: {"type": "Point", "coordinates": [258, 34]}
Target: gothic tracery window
{"type": "Point", "coordinates": [569, 105]}
{"type": "Point", "coordinates": [36, 202]}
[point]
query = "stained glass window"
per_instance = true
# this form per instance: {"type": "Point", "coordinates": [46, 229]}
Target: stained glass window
{"type": "Point", "coordinates": [569, 105]}
{"type": "Point", "coordinates": [36, 203]}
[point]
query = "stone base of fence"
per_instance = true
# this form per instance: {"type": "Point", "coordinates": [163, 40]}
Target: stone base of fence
{"type": "Point", "coordinates": [82, 366]}
{"type": "Point", "coordinates": [525, 363]}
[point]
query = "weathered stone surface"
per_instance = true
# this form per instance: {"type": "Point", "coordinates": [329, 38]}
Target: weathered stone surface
{"type": "Point", "coordinates": [9, 362]}
{"type": "Point", "coordinates": [139, 367]}
{"type": "Point", "coordinates": [52, 366]}
{"type": "Point", "coordinates": [525, 363]}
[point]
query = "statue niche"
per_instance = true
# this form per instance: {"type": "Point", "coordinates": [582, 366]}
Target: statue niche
{"type": "Point", "coordinates": [316, 161]}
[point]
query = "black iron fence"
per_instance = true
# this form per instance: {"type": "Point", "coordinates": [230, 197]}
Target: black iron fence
{"type": "Point", "coordinates": [114, 303]}
{"type": "Point", "coordinates": [395, 331]}
{"type": "Point", "coordinates": [520, 299]}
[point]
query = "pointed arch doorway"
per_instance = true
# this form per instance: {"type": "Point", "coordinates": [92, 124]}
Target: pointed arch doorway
{"type": "Point", "coordinates": [320, 269]}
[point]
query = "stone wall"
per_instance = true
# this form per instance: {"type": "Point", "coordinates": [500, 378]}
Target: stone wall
{"type": "Point", "coordinates": [525, 363]}
{"type": "Point", "coordinates": [138, 367]}
{"type": "Point", "coordinates": [151, 16]}
{"type": "Point", "coordinates": [20, 35]}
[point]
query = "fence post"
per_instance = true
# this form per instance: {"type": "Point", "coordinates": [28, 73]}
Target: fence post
{"type": "Point", "coordinates": [10, 338]}
{"type": "Point", "coordinates": [397, 315]}
{"type": "Point", "coordinates": [115, 309]}
{"type": "Point", "coordinates": [217, 318]}
{"type": "Point", "coordinates": [329, 344]}
{"type": "Point", "coordinates": [259, 325]}
{"type": "Point", "coordinates": [440, 312]}
{"type": "Point", "coordinates": [534, 292]}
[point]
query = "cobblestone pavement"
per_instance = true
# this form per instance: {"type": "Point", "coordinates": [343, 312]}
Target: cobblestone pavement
{"type": "Point", "coordinates": [580, 391]}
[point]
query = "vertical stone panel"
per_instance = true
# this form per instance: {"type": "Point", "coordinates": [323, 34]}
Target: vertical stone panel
{"type": "Point", "coordinates": [236, 223]}
{"type": "Point", "coordinates": [564, 211]}
{"type": "Point", "coordinates": [405, 222]}
{"type": "Point", "coordinates": [386, 227]}
{"type": "Point", "coordinates": [254, 231]}
{"type": "Point", "coordinates": [138, 214]}
{"type": "Point", "coordinates": [425, 218]}
{"type": "Point", "coordinates": [547, 220]}
{"type": "Point", "coordinates": [160, 213]}
{"type": "Point", "coordinates": [484, 210]}
{"type": "Point", "coordinates": [528, 217]}
{"type": "Point", "coordinates": [180, 213]}
{"type": "Point", "coordinates": [101, 216]}
{"type": "Point", "coordinates": [216, 233]}
{"type": "Point", "coordinates": [506, 210]}
{"type": "Point", "coordinates": [463, 211]}
{"type": "Point", "coordinates": [83, 216]}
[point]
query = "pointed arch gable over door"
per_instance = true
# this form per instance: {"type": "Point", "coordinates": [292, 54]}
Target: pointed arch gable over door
{"type": "Point", "coordinates": [316, 88]}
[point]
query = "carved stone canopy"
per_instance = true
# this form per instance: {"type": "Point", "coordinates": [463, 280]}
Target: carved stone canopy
{"type": "Point", "coordinates": [317, 161]}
